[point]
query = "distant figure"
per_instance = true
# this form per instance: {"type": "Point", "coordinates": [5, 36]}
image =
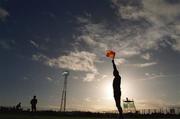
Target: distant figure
{"type": "Point", "coordinates": [117, 89]}
{"type": "Point", "coordinates": [18, 106]}
{"type": "Point", "coordinates": [33, 104]}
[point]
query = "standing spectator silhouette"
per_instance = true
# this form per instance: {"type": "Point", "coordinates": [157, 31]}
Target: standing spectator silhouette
{"type": "Point", "coordinates": [33, 104]}
{"type": "Point", "coordinates": [18, 106]}
{"type": "Point", "coordinates": [117, 89]}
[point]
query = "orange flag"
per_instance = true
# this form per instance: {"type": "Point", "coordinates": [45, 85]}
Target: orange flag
{"type": "Point", "coordinates": [110, 53]}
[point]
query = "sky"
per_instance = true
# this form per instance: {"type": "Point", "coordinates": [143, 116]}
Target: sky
{"type": "Point", "coordinates": [39, 39]}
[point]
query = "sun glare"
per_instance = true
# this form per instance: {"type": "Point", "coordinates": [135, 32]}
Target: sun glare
{"type": "Point", "coordinates": [126, 87]}
{"type": "Point", "coordinates": [108, 90]}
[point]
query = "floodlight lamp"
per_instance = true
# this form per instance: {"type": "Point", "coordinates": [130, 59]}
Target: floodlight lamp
{"type": "Point", "coordinates": [65, 73]}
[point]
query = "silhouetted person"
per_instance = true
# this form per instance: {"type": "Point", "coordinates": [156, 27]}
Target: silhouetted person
{"type": "Point", "coordinates": [117, 89]}
{"type": "Point", "coordinates": [18, 106]}
{"type": "Point", "coordinates": [33, 104]}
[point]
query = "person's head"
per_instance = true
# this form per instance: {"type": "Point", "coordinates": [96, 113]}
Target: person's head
{"type": "Point", "coordinates": [115, 73]}
{"type": "Point", "coordinates": [34, 97]}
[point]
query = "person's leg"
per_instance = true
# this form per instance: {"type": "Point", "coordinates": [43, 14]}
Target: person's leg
{"type": "Point", "coordinates": [31, 108]}
{"type": "Point", "coordinates": [118, 105]}
{"type": "Point", "coordinates": [34, 108]}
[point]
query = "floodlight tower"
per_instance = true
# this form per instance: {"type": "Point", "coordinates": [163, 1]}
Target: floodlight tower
{"type": "Point", "coordinates": [63, 98]}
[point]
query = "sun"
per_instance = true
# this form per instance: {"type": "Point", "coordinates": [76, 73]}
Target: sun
{"type": "Point", "coordinates": [108, 89]}
{"type": "Point", "coordinates": [127, 89]}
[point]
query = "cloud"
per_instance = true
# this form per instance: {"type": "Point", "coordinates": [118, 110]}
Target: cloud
{"type": "Point", "coordinates": [173, 1]}
{"type": "Point", "coordinates": [151, 76]}
{"type": "Point", "coordinates": [82, 20]}
{"type": "Point", "coordinates": [154, 76]}
{"type": "Point", "coordinates": [145, 64]}
{"type": "Point", "coordinates": [164, 18]}
{"type": "Point", "coordinates": [120, 61]}
{"type": "Point", "coordinates": [3, 14]}
{"type": "Point", "coordinates": [146, 27]}
{"type": "Point", "coordinates": [4, 45]}
{"type": "Point", "coordinates": [97, 38]}
{"type": "Point", "coordinates": [40, 57]}
{"type": "Point", "coordinates": [160, 10]}
{"type": "Point", "coordinates": [128, 9]}
{"type": "Point", "coordinates": [127, 42]}
{"type": "Point", "coordinates": [7, 44]}
{"type": "Point", "coordinates": [49, 78]}
{"type": "Point", "coordinates": [89, 77]}
{"type": "Point", "coordinates": [87, 39]}
{"type": "Point", "coordinates": [25, 78]}
{"type": "Point", "coordinates": [176, 46]}
{"type": "Point", "coordinates": [151, 10]}
{"type": "Point", "coordinates": [140, 26]}
{"type": "Point", "coordinates": [146, 56]}
{"type": "Point", "coordinates": [77, 61]}
{"type": "Point", "coordinates": [94, 77]}
{"type": "Point", "coordinates": [34, 43]}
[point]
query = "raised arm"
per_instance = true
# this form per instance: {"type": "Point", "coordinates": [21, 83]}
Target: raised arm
{"type": "Point", "coordinates": [114, 65]}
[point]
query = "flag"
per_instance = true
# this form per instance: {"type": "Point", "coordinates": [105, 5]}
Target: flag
{"type": "Point", "coordinates": [110, 54]}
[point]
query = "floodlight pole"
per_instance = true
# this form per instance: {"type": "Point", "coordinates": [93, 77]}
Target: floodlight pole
{"type": "Point", "coordinates": [63, 98]}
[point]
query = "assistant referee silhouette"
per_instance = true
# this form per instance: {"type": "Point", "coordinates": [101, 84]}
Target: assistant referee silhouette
{"type": "Point", "coordinates": [117, 89]}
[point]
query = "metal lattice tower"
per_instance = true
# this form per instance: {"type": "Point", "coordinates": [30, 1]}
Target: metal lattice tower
{"type": "Point", "coordinates": [63, 98]}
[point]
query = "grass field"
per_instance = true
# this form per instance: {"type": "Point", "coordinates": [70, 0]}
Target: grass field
{"type": "Point", "coordinates": [27, 116]}
{"type": "Point", "coordinates": [40, 117]}
{"type": "Point", "coordinates": [79, 115]}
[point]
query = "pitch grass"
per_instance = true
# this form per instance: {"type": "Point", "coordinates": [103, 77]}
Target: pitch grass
{"type": "Point", "coordinates": [26, 116]}
{"type": "Point", "coordinates": [12, 116]}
